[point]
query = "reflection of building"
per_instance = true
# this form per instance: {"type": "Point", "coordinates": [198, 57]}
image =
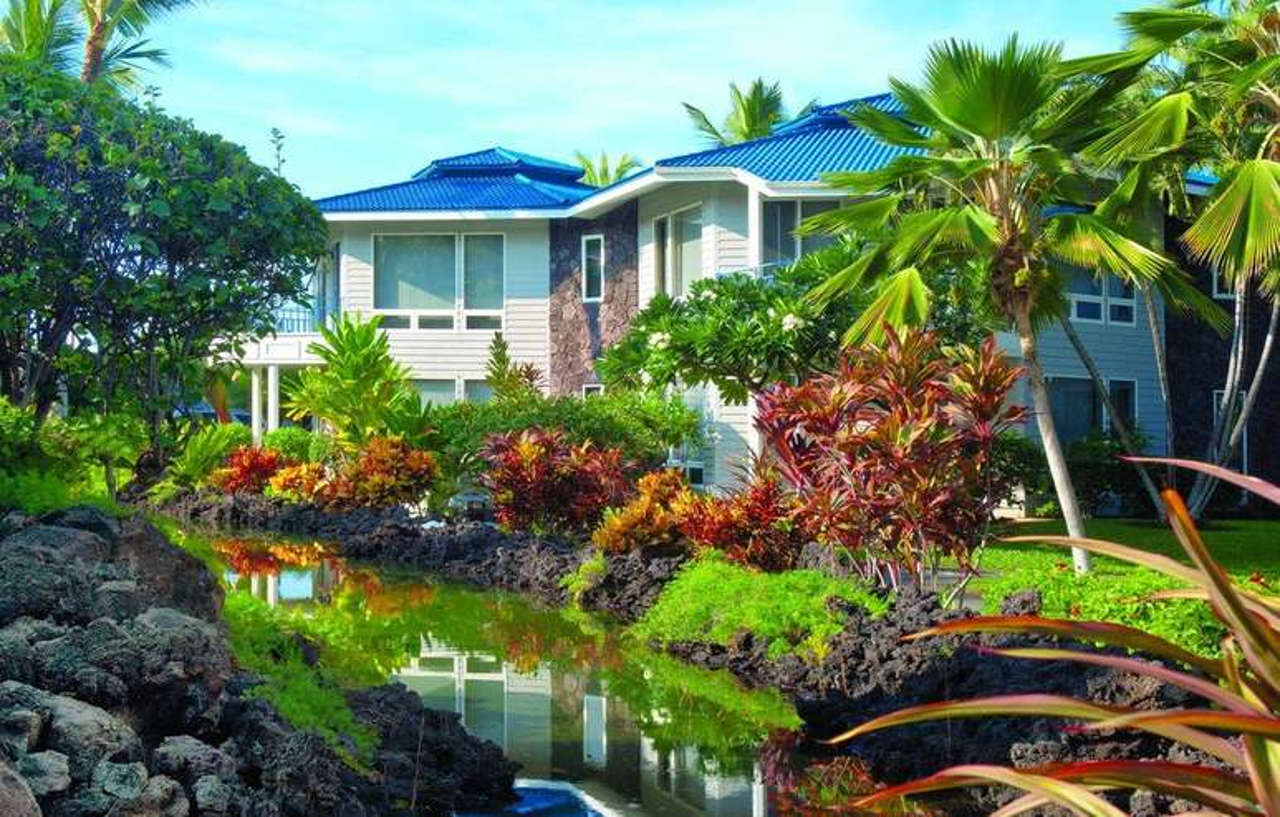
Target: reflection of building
{"type": "Point", "coordinates": [564, 725]}
{"type": "Point", "coordinates": [290, 585]}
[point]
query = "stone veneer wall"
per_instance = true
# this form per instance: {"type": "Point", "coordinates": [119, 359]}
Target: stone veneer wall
{"type": "Point", "coordinates": [579, 331]}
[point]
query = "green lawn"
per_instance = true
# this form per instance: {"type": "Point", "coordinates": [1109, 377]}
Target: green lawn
{"type": "Point", "coordinates": [1117, 591]}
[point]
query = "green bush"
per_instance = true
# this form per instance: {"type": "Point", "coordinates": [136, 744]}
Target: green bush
{"type": "Point", "coordinates": [206, 450]}
{"type": "Point", "coordinates": [713, 600]}
{"type": "Point", "coordinates": [37, 490]}
{"type": "Point", "coordinates": [17, 434]}
{"type": "Point", "coordinates": [321, 448]}
{"type": "Point", "coordinates": [1097, 472]}
{"type": "Point", "coordinates": [290, 442]}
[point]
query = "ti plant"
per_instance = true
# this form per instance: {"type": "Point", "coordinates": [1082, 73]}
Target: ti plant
{"type": "Point", "coordinates": [1237, 728]}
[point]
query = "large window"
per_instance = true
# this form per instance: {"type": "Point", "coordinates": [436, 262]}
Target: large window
{"type": "Point", "coordinates": [592, 267]}
{"type": "Point", "coordinates": [439, 392]}
{"type": "Point", "coordinates": [1078, 409]}
{"type": "Point", "coordinates": [1100, 300]}
{"type": "Point", "coordinates": [660, 239]}
{"type": "Point", "coordinates": [439, 281]}
{"type": "Point", "coordinates": [779, 219]}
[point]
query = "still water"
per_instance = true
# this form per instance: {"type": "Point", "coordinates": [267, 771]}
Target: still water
{"type": "Point", "coordinates": [564, 693]}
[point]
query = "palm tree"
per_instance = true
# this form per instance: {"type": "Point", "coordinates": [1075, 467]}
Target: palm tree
{"type": "Point", "coordinates": [751, 115]}
{"type": "Point", "coordinates": [1219, 107]}
{"type": "Point", "coordinates": [598, 173]}
{"type": "Point", "coordinates": [990, 188]}
{"type": "Point", "coordinates": [106, 33]}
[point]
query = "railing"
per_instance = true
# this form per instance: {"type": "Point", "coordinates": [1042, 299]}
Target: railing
{"type": "Point", "coordinates": [297, 320]}
{"type": "Point", "coordinates": [765, 271]}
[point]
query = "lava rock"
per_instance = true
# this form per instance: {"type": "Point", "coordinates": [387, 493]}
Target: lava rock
{"type": "Point", "coordinates": [16, 799]}
{"type": "Point", "coordinates": [81, 731]}
{"type": "Point", "coordinates": [189, 760]}
{"type": "Point", "coordinates": [88, 518]}
{"type": "Point", "coordinates": [45, 772]}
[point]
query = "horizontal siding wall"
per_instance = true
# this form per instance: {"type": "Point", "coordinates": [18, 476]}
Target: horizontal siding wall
{"type": "Point", "coordinates": [460, 353]}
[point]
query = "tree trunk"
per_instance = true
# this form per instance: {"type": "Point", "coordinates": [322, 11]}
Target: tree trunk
{"type": "Point", "coordinates": [95, 46]}
{"type": "Point", "coordinates": [1162, 372]}
{"type": "Point", "coordinates": [1197, 498]}
{"type": "Point", "coordinates": [1049, 437]}
{"type": "Point", "coordinates": [1117, 424]}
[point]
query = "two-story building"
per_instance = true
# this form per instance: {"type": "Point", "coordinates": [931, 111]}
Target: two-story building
{"type": "Point", "coordinates": [499, 240]}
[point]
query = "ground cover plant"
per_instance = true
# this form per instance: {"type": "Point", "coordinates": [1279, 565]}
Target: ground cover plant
{"type": "Point", "coordinates": [1238, 692]}
{"type": "Point", "coordinates": [714, 600]}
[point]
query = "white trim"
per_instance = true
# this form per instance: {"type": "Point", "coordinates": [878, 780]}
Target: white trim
{"type": "Point", "coordinates": [459, 313]}
{"type": "Point", "coordinates": [589, 389]}
{"type": "Point", "coordinates": [444, 215]}
{"type": "Point", "coordinates": [582, 260]}
{"type": "Point", "coordinates": [669, 255]}
{"type": "Point", "coordinates": [1228, 295]}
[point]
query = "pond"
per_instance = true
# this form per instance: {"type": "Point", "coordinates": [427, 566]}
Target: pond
{"type": "Point", "coordinates": [564, 693]}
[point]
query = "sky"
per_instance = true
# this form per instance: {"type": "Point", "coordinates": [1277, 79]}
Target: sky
{"type": "Point", "coordinates": [367, 93]}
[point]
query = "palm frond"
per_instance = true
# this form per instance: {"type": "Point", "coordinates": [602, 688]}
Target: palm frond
{"type": "Point", "coordinates": [703, 123]}
{"type": "Point", "coordinates": [1165, 26]}
{"type": "Point", "coordinates": [868, 215]}
{"type": "Point", "coordinates": [1159, 128]}
{"type": "Point", "coordinates": [993, 94]}
{"type": "Point", "coordinates": [1088, 241]}
{"type": "Point", "coordinates": [1239, 232]}
{"type": "Point", "coordinates": [41, 31]}
{"type": "Point", "coordinates": [886, 127]}
{"type": "Point", "coordinates": [902, 300]}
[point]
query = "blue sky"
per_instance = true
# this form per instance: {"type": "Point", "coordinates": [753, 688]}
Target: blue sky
{"type": "Point", "coordinates": [368, 92]}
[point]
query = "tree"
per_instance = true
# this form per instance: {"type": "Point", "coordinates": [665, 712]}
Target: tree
{"type": "Point", "coordinates": [134, 248]}
{"type": "Point", "coordinates": [1218, 105]}
{"type": "Point", "coordinates": [990, 188]}
{"type": "Point", "coordinates": [751, 115]}
{"type": "Point", "coordinates": [101, 39]}
{"type": "Point", "coordinates": [598, 173]}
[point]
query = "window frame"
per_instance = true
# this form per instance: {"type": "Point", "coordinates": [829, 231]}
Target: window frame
{"type": "Point", "coordinates": [459, 313]}
{"type": "Point", "coordinates": [1218, 292]}
{"type": "Point", "coordinates": [582, 260]}
{"type": "Point", "coordinates": [1106, 413]}
{"type": "Point", "coordinates": [797, 241]}
{"type": "Point", "coordinates": [592, 390]}
{"type": "Point", "coordinates": [668, 254]}
{"type": "Point", "coordinates": [1104, 299]}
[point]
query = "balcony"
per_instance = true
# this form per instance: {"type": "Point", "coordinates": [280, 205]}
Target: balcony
{"type": "Point", "coordinates": [295, 319]}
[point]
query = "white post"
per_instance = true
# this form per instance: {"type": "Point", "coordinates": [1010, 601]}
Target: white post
{"type": "Point", "coordinates": [273, 589]}
{"type": "Point", "coordinates": [255, 403]}
{"type": "Point", "coordinates": [273, 397]}
{"type": "Point", "coordinates": [755, 216]}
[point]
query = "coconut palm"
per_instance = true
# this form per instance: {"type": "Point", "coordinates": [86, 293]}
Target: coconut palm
{"type": "Point", "coordinates": [988, 186]}
{"type": "Point", "coordinates": [1219, 107]}
{"type": "Point", "coordinates": [751, 115]}
{"type": "Point", "coordinates": [41, 31]}
{"type": "Point", "coordinates": [599, 173]}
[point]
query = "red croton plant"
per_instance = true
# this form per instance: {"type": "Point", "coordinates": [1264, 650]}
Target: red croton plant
{"type": "Point", "coordinates": [890, 455]}
{"type": "Point", "coordinates": [1230, 739]}
{"type": "Point", "coordinates": [542, 482]}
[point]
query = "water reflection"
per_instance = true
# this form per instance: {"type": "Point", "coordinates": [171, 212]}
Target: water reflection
{"type": "Point", "coordinates": [561, 691]}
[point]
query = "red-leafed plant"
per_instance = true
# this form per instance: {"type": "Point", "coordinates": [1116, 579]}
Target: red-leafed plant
{"type": "Point", "coordinates": [650, 520]}
{"type": "Point", "coordinates": [299, 483]}
{"type": "Point", "coordinates": [890, 455]}
{"type": "Point", "coordinates": [388, 471]}
{"type": "Point", "coordinates": [247, 470]}
{"type": "Point", "coordinates": [542, 482]}
{"type": "Point", "coordinates": [758, 526]}
{"type": "Point", "coordinates": [1236, 725]}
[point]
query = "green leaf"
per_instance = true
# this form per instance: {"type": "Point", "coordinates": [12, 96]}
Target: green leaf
{"type": "Point", "coordinates": [867, 215]}
{"type": "Point", "coordinates": [1159, 128]}
{"type": "Point", "coordinates": [887, 127]}
{"type": "Point", "coordinates": [1088, 241]}
{"type": "Point", "coordinates": [903, 301]}
{"type": "Point", "coordinates": [1163, 27]}
{"type": "Point", "coordinates": [1239, 232]}
{"type": "Point", "coordinates": [1078, 799]}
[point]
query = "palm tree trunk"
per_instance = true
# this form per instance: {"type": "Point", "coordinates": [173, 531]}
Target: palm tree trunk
{"type": "Point", "coordinates": [1049, 437]}
{"type": "Point", "coordinates": [1162, 373]}
{"type": "Point", "coordinates": [95, 46]}
{"type": "Point", "coordinates": [1117, 422]}
{"type": "Point", "coordinates": [1197, 497]}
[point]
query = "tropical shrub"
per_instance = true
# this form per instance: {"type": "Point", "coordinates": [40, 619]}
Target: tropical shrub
{"type": "Point", "coordinates": [247, 470]}
{"type": "Point", "coordinates": [304, 482]}
{"type": "Point", "coordinates": [387, 472]}
{"type": "Point", "coordinates": [649, 520]}
{"type": "Point", "coordinates": [1239, 691]}
{"type": "Point", "coordinates": [206, 449]}
{"type": "Point", "coordinates": [888, 456]}
{"type": "Point", "coordinates": [758, 526]}
{"type": "Point", "coordinates": [1102, 479]}
{"type": "Point", "coordinates": [506, 377]}
{"type": "Point", "coordinates": [322, 448]}
{"type": "Point", "coordinates": [290, 442]}
{"type": "Point", "coordinates": [17, 433]}
{"type": "Point", "coordinates": [542, 482]}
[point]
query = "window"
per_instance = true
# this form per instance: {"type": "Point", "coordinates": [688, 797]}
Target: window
{"type": "Point", "coordinates": [1240, 460]}
{"type": "Point", "coordinates": [439, 281]}
{"type": "Point", "coordinates": [660, 270]}
{"type": "Point", "coordinates": [592, 389]}
{"type": "Point", "coordinates": [1078, 410]}
{"type": "Point", "coordinates": [779, 219]}
{"type": "Point", "coordinates": [686, 251]}
{"type": "Point", "coordinates": [477, 391]}
{"type": "Point", "coordinates": [686, 457]}
{"type": "Point", "coordinates": [1221, 286]}
{"type": "Point", "coordinates": [439, 392]}
{"type": "Point", "coordinates": [1091, 302]}
{"type": "Point", "coordinates": [592, 267]}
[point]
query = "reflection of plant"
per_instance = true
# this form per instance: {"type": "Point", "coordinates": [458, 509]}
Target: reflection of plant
{"type": "Point", "coordinates": [756, 527]}
{"type": "Point", "coordinates": [542, 482]}
{"type": "Point", "coordinates": [1240, 692]}
{"type": "Point", "coordinates": [801, 786]}
{"type": "Point", "coordinates": [247, 470]}
{"type": "Point", "coordinates": [252, 556]}
{"type": "Point", "coordinates": [889, 454]}
{"type": "Point", "coordinates": [649, 520]}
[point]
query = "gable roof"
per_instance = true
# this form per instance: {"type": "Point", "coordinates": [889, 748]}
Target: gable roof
{"type": "Point", "coordinates": [821, 141]}
{"type": "Point", "coordinates": [491, 179]}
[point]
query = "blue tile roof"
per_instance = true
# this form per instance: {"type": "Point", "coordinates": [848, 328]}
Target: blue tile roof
{"type": "Point", "coordinates": [493, 179]}
{"type": "Point", "coordinates": [822, 141]}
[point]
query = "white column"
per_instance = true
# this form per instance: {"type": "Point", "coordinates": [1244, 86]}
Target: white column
{"type": "Point", "coordinates": [273, 397]}
{"type": "Point", "coordinates": [273, 589]}
{"type": "Point", "coordinates": [255, 403]}
{"type": "Point", "coordinates": [755, 216]}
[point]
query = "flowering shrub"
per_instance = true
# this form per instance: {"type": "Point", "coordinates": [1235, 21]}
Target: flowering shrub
{"type": "Point", "coordinates": [542, 482]}
{"type": "Point", "coordinates": [388, 471]}
{"type": "Point", "coordinates": [247, 470]}
{"type": "Point", "coordinates": [889, 455]}
{"type": "Point", "coordinates": [755, 527]}
{"type": "Point", "coordinates": [650, 519]}
{"type": "Point", "coordinates": [303, 482]}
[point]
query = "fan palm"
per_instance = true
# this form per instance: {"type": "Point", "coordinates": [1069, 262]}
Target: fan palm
{"type": "Point", "coordinates": [751, 115]}
{"type": "Point", "coordinates": [600, 173]}
{"type": "Point", "coordinates": [988, 184]}
{"type": "Point", "coordinates": [1220, 107]}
